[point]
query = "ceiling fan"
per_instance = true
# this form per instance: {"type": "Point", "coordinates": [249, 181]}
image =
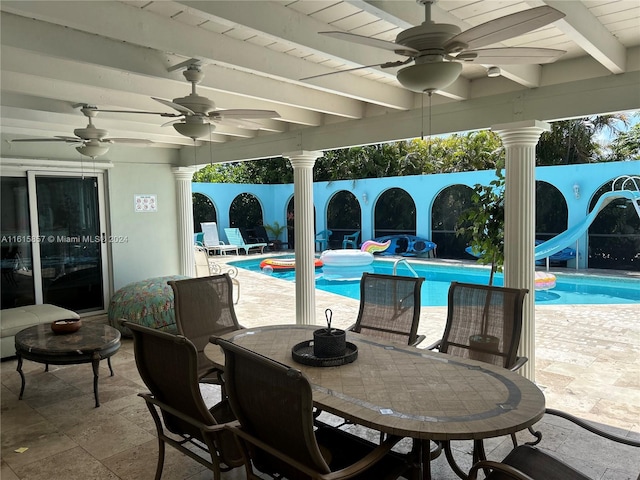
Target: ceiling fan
{"type": "Point", "coordinates": [438, 50]}
{"type": "Point", "coordinates": [91, 141]}
{"type": "Point", "coordinates": [197, 113]}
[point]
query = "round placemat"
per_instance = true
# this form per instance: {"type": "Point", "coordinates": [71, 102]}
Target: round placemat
{"type": "Point", "coordinates": [303, 353]}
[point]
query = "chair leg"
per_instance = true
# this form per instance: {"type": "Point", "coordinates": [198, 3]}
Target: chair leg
{"type": "Point", "coordinates": [160, 466]}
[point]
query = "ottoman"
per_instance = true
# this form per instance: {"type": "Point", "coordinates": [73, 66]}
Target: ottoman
{"type": "Point", "coordinates": [147, 302]}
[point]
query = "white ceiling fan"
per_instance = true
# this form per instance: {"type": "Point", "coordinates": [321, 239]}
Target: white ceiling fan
{"type": "Point", "coordinates": [438, 50]}
{"type": "Point", "coordinates": [197, 113]}
{"type": "Point", "coordinates": [90, 141]}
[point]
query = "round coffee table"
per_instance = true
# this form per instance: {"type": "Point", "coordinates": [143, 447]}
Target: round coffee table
{"type": "Point", "coordinates": [90, 344]}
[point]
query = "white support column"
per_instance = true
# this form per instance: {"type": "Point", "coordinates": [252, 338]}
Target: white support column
{"type": "Point", "coordinates": [184, 204]}
{"type": "Point", "coordinates": [520, 140]}
{"type": "Point", "coordinates": [302, 163]}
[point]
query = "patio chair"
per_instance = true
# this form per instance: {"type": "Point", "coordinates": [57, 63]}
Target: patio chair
{"type": "Point", "coordinates": [389, 308]}
{"type": "Point", "coordinates": [211, 240]}
{"type": "Point", "coordinates": [322, 240]}
{"type": "Point", "coordinates": [204, 307]}
{"type": "Point", "coordinates": [168, 366]}
{"type": "Point", "coordinates": [484, 323]}
{"type": "Point", "coordinates": [235, 237]}
{"type": "Point", "coordinates": [351, 239]}
{"type": "Point", "coordinates": [532, 463]}
{"type": "Point", "coordinates": [274, 407]}
{"type": "Point", "coordinates": [205, 267]}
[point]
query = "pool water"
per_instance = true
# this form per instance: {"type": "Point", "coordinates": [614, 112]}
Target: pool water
{"type": "Point", "coordinates": [570, 289]}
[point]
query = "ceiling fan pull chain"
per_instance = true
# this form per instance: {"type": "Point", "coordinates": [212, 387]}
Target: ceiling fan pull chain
{"type": "Point", "coordinates": [422, 117]}
{"type": "Point", "coordinates": [430, 93]}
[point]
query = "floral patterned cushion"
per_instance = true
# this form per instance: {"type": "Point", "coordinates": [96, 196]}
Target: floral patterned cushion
{"type": "Point", "coordinates": [147, 302]}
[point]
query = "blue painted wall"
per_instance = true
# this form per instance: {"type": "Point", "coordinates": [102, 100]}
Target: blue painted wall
{"type": "Point", "coordinates": [422, 188]}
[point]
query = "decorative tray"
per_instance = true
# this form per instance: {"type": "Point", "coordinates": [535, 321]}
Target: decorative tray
{"type": "Point", "coordinates": [303, 353]}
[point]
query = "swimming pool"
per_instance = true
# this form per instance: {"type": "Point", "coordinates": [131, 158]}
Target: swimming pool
{"type": "Point", "coordinates": [570, 289]}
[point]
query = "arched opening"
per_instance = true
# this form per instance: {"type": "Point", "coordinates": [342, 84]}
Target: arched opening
{"type": "Point", "coordinates": [448, 205]}
{"type": "Point", "coordinates": [394, 214]}
{"type": "Point", "coordinates": [344, 217]}
{"type": "Point", "coordinates": [245, 213]}
{"type": "Point", "coordinates": [203, 211]}
{"type": "Point", "coordinates": [614, 235]}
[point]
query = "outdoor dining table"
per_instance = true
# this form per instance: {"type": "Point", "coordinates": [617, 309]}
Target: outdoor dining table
{"type": "Point", "coordinates": [405, 391]}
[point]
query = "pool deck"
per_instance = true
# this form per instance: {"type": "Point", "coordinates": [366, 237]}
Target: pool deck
{"type": "Point", "coordinates": [588, 364]}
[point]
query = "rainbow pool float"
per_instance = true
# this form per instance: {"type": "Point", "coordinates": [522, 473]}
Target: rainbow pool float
{"type": "Point", "coordinates": [372, 246]}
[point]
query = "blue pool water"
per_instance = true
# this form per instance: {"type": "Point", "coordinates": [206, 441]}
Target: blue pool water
{"type": "Point", "coordinates": [570, 289]}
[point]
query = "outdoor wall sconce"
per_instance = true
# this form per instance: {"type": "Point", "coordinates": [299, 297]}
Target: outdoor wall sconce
{"type": "Point", "coordinates": [365, 198]}
{"type": "Point", "coordinates": [576, 191]}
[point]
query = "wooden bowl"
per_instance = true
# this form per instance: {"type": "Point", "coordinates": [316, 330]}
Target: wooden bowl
{"type": "Point", "coordinates": [66, 326]}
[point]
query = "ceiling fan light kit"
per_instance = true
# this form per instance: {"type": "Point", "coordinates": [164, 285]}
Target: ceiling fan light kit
{"type": "Point", "coordinates": [427, 77]}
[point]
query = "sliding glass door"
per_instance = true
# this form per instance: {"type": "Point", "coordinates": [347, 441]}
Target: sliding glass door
{"type": "Point", "coordinates": [60, 248]}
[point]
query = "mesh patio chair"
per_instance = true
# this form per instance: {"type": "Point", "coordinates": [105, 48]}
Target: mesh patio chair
{"type": "Point", "coordinates": [389, 308]}
{"type": "Point", "coordinates": [484, 322]}
{"type": "Point", "coordinates": [204, 307]}
{"type": "Point", "coordinates": [274, 407]}
{"type": "Point", "coordinates": [528, 462]}
{"type": "Point", "coordinates": [168, 366]}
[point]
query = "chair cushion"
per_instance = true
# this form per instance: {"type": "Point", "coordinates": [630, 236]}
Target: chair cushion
{"type": "Point", "coordinates": [537, 464]}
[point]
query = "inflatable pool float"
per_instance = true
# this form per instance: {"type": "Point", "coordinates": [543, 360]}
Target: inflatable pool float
{"type": "Point", "coordinates": [407, 245]}
{"type": "Point", "coordinates": [545, 281]}
{"type": "Point", "coordinates": [284, 263]}
{"type": "Point", "coordinates": [372, 246]}
{"type": "Point", "coordinates": [346, 264]}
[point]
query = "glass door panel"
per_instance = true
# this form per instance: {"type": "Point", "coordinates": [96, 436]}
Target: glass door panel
{"type": "Point", "coordinates": [17, 282]}
{"type": "Point", "coordinates": [71, 249]}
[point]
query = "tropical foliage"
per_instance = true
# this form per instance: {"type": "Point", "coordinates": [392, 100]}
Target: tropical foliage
{"type": "Point", "coordinates": [483, 223]}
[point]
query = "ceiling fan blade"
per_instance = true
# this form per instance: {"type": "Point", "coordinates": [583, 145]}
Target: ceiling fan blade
{"type": "Point", "coordinates": [399, 63]}
{"type": "Point", "coordinates": [171, 122]}
{"type": "Point", "coordinates": [244, 113]}
{"type": "Point", "coordinates": [510, 56]}
{"type": "Point", "coordinates": [503, 28]}
{"type": "Point", "coordinates": [372, 42]}
{"type": "Point", "coordinates": [141, 142]}
{"type": "Point", "coordinates": [237, 122]}
{"type": "Point", "coordinates": [142, 112]}
{"type": "Point", "coordinates": [175, 106]}
{"type": "Point", "coordinates": [54, 139]}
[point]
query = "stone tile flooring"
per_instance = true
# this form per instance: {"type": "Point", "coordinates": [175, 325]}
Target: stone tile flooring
{"type": "Point", "coordinates": [588, 363]}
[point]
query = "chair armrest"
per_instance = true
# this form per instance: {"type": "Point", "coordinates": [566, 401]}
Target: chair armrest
{"type": "Point", "coordinates": [506, 469]}
{"type": "Point", "coordinates": [435, 346]}
{"type": "Point", "coordinates": [350, 328]}
{"type": "Point", "coordinates": [150, 399]}
{"type": "Point", "coordinates": [419, 338]}
{"type": "Point", "coordinates": [593, 429]}
{"type": "Point", "coordinates": [520, 361]}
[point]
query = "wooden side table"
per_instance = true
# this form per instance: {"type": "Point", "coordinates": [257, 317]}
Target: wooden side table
{"type": "Point", "coordinates": [90, 344]}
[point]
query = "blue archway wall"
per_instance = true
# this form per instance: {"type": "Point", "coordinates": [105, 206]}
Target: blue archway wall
{"type": "Point", "coordinates": [422, 188]}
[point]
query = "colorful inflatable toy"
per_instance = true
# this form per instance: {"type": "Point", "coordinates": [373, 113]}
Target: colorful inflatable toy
{"type": "Point", "coordinates": [372, 246]}
{"type": "Point", "coordinates": [545, 281]}
{"type": "Point", "coordinates": [284, 263]}
{"type": "Point", "coordinates": [346, 264]}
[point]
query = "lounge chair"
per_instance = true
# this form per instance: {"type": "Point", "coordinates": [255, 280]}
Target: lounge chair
{"type": "Point", "coordinates": [351, 239]}
{"type": "Point", "coordinates": [235, 237]}
{"type": "Point", "coordinates": [211, 241]}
